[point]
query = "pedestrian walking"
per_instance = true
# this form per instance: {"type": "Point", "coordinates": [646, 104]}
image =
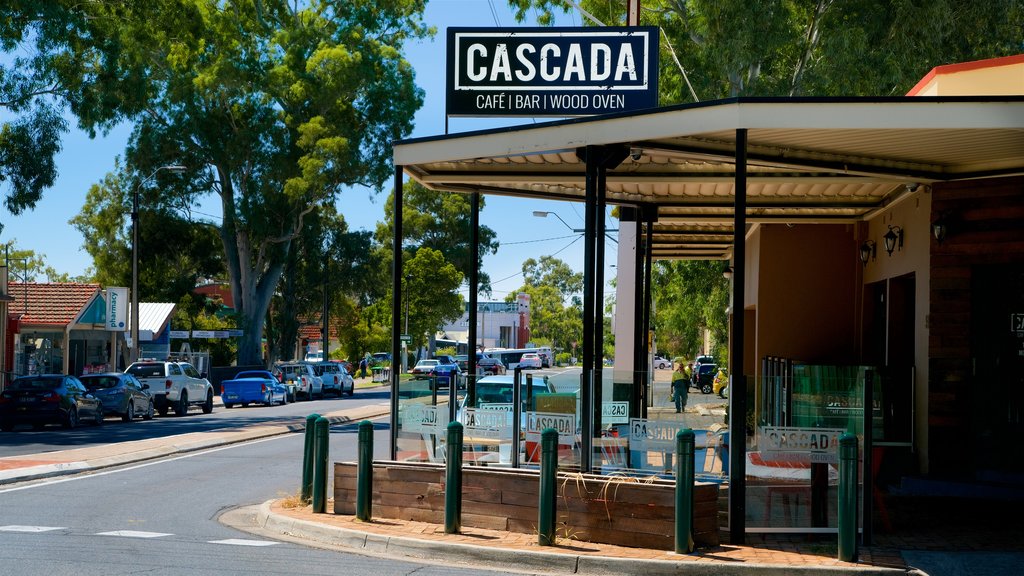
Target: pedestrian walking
{"type": "Point", "coordinates": [680, 388]}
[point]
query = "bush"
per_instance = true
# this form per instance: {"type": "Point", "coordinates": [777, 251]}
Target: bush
{"type": "Point", "coordinates": [563, 359]}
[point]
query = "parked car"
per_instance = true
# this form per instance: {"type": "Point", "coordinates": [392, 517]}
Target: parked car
{"type": "Point", "coordinates": [704, 376]}
{"type": "Point", "coordinates": [120, 394]}
{"type": "Point", "coordinates": [484, 363]}
{"type": "Point", "coordinates": [530, 361]}
{"type": "Point", "coordinates": [661, 362]}
{"type": "Point", "coordinates": [48, 398]}
{"type": "Point", "coordinates": [336, 378]}
{"type": "Point", "coordinates": [720, 385]}
{"type": "Point", "coordinates": [304, 378]}
{"type": "Point", "coordinates": [176, 385]}
{"type": "Point", "coordinates": [253, 386]}
{"type": "Point", "coordinates": [425, 367]}
{"type": "Point", "coordinates": [446, 371]}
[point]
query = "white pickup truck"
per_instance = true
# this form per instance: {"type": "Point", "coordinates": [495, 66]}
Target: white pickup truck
{"type": "Point", "coordinates": [176, 385]}
{"type": "Point", "coordinates": [304, 378]}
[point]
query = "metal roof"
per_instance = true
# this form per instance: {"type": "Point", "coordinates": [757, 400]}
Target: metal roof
{"type": "Point", "coordinates": [819, 160]}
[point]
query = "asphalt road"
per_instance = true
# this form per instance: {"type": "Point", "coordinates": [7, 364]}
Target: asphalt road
{"type": "Point", "coordinates": [24, 440]}
{"type": "Point", "coordinates": [161, 518]}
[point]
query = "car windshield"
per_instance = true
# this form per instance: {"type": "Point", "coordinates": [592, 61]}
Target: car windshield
{"type": "Point", "coordinates": [251, 374]}
{"type": "Point", "coordinates": [151, 370]}
{"type": "Point", "coordinates": [35, 384]}
{"type": "Point", "coordinates": [100, 382]}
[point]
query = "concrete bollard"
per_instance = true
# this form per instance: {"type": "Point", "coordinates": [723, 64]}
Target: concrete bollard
{"type": "Point", "coordinates": [453, 480]}
{"type": "Point", "coordinates": [548, 487]}
{"type": "Point", "coordinates": [847, 513]}
{"type": "Point", "coordinates": [364, 472]}
{"type": "Point", "coordinates": [321, 454]}
{"type": "Point", "coordinates": [685, 440]}
{"type": "Point", "coordinates": [307, 458]}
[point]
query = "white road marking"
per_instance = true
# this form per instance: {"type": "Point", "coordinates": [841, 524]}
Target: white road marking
{"type": "Point", "coordinates": [17, 528]}
{"type": "Point", "coordinates": [145, 465]}
{"type": "Point", "coordinates": [242, 542]}
{"type": "Point", "coordinates": [134, 534]}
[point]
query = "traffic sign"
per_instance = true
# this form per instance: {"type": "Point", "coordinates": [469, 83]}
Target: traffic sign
{"type": "Point", "coordinates": [405, 338]}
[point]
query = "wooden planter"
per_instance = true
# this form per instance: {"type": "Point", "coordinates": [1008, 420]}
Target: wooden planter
{"type": "Point", "coordinates": [591, 508]}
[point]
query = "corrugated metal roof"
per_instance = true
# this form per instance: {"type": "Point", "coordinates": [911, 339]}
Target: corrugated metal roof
{"type": "Point", "coordinates": [808, 159]}
{"type": "Point", "coordinates": [153, 316]}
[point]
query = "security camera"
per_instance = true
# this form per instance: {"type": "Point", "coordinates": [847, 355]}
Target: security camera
{"type": "Point", "coordinates": [635, 153]}
{"type": "Point", "coordinates": [912, 187]}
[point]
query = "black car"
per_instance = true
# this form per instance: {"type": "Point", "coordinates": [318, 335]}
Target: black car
{"type": "Point", "coordinates": [48, 398]}
{"type": "Point", "coordinates": [121, 394]}
{"type": "Point", "coordinates": [704, 377]}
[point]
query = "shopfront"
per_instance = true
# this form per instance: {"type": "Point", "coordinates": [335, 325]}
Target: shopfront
{"type": "Point", "coordinates": [831, 324]}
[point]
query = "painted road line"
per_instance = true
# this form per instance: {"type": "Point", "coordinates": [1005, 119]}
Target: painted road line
{"type": "Point", "coordinates": [242, 542]}
{"type": "Point", "coordinates": [134, 534]}
{"type": "Point", "coordinates": [17, 528]}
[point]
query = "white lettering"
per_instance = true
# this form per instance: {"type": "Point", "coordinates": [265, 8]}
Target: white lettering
{"type": "Point", "coordinates": [548, 54]}
{"type": "Point", "coordinates": [600, 62]}
{"type": "Point", "coordinates": [471, 68]}
{"type": "Point", "coordinates": [528, 71]}
{"type": "Point", "coordinates": [625, 65]}
{"type": "Point", "coordinates": [501, 64]}
{"type": "Point", "coordinates": [574, 65]}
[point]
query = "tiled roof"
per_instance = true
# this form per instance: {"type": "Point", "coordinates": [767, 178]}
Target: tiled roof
{"type": "Point", "coordinates": [312, 332]}
{"type": "Point", "coordinates": [51, 303]}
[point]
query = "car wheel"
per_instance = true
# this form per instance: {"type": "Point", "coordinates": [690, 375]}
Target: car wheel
{"type": "Point", "coordinates": [181, 408]}
{"type": "Point", "coordinates": [71, 420]}
{"type": "Point", "coordinates": [245, 404]}
{"type": "Point", "coordinates": [129, 413]}
{"type": "Point", "coordinates": [229, 405]}
{"type": "Point", "coordinates": [208, 405]}
{"type": "Point", "coordinates": [98, 419]}
{"type": "Point", "coordinates": [149, 412]}
{"type": "Point", "coordinates": [268, 400]}
{"type": "Point", "coordinates": [352, 390]}
{"type": "Point", "coordinates": [705, 388]}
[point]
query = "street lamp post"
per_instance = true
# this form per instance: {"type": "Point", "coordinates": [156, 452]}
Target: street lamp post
{"type": "Point", "coordinates": [134, 355]}
{"type": "Point", "coordinates": [405, 344]}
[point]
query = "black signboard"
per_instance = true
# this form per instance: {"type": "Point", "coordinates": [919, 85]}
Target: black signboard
{"type": "Point", "coordinates": [551, 71]}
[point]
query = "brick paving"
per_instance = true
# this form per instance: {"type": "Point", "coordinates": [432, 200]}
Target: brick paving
{"type": "Point", "coordinates": [760, 549]}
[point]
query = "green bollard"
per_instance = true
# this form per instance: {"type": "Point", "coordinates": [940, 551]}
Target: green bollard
{"type": "Point", "coordinates": [453, 480]}
{"type": "Point", "coordinates": [364, 472]}
{"type": "Point", "coordinates": [548, 487]}
{"type": "Point", "coordinates": [848, 498]}
{"type": "Point", "coordinates": [321, 453]}
{"type": "Point", "coordinates": [685, 440]}
{"type": "Point", "coordinates": [307, 458]}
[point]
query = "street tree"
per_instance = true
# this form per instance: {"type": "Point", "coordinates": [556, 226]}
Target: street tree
{"type": "Point", "coordinates": [430, 287]}
{"type": "Point", "coordinates": [274, 107]}
{"type": "Point", "coordinates": [174, 251]}
{"type": "Point", "coordinates": [555, 306]}
{"type": "Point", "coordinates": [440, 221]}
{"type": "Point", "coordinates": [690, 297]}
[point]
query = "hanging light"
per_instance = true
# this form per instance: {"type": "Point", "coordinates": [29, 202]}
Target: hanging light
{"type": "Point", "coordinates": [893, 239]}
{"type": "Point", "coordinates": [867, 251]}
{"type": "Point", "coordinates": [940, 227]}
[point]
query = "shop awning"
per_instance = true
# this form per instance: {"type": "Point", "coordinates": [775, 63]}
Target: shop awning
{"type": "Point", "coordinates": [810, 160]}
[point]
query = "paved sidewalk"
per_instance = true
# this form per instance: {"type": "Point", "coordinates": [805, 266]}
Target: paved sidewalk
{"type": "Point", "coordinates": [505, 550]}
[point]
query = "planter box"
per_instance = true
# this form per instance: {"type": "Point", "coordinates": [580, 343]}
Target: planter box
{"type": "Point", "coordinates": [590, 508]}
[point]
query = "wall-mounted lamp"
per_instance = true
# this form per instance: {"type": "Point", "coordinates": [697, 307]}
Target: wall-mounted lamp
{"type": "Point", "coordinates": [727, 273]}
{"type": "Point", "coordinates": [893, 239]}
{"type": "Point", "coordinates": [940, 227]}
{"type": "Point", "coordinates": [867, 251]}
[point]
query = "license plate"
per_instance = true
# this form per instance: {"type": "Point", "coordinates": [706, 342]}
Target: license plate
{"type": "Point", "coordinates": [26, 399]}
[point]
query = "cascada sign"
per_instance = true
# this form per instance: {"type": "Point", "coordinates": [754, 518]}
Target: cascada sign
{"type": "Point", "coordinates": [551, 71]}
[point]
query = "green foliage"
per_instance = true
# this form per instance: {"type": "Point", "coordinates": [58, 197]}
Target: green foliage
{"type": "Point", "coordinates": [274, 106]}
{"type": "Point", "coordinates": [449, 350]}
{"type": "Point", "coordinates": [440, 221]}
{"type": "Point", "coordinates": [551, 283]}
{"type": "Point", "coordinates": [690, 297]}
{"type": "Point", "coordinates": [430, 286]}
{"type": "Point", "coordinates": [193, 313]}
{"type": "Point", "coordinates": [808, 47]}
{"type": "Point", "coordinates": [27, 266]}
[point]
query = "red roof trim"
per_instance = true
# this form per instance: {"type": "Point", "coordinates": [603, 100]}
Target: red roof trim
{"type": "Point", "coordinates": [964, 67]}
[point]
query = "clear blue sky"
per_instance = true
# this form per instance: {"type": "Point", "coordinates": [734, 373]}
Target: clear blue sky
{"type": "Point", "coordinates": [83, 162]}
